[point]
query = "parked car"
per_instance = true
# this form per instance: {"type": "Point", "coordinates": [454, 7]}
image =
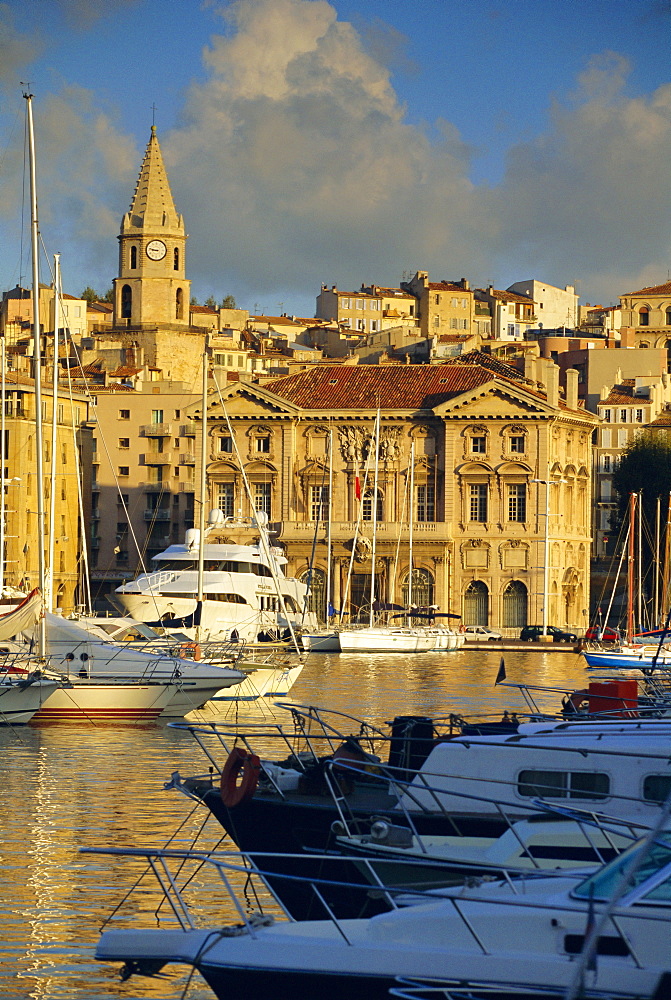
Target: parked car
{"type": "Point", "coordinates": [533, 633]}
{"type": "Point", "coordinates": [606, 634]}
{"type": "Point", "coordinates": [482, 633]}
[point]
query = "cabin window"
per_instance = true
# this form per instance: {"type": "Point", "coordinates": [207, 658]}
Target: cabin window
{"type": "Point", "coordinates": [656, 787]}
{"type": "Point", "coordinates": [227, 598]}
{"type": "Point", "coordinates": [563, 784]}
{"type": "Point", "coordinates": [603, 883]}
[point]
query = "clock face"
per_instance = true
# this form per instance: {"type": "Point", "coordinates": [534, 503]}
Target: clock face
{"type": "Point", "coordinates": [155, 250]}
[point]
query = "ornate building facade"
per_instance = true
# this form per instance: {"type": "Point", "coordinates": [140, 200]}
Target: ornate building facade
{"type": "Point", "coordinates": [499, 469]}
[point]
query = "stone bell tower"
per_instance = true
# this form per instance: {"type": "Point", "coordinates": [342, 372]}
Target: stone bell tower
{"type": "Point", "coordinates": [152, 288]}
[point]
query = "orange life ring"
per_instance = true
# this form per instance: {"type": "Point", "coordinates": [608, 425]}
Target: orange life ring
{"type": "Point", "coordinates": [239, 762]}
{"type": "Point", "coordinates": [190, 647]}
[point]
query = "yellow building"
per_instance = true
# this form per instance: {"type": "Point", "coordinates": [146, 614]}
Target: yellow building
{"type": "Point", "coordinates": [490, 450]}
{"type": "Point", "coordinates": [647, 313]}
{"type": "Point", "coordinates": [442, 306]}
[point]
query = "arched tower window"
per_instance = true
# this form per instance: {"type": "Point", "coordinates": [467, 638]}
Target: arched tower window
{"type": "Point", "coordinates": [515, 601]}
{"type": "Point", "coordinates": [175, 259]}
{"type": "Point", "coordinates": [133, 258]}
{"type": "Point", "coordinates": [179, 304]}
{"type": "Point", "coordinates": [476, 604]}
{"type": "Point", "coordinates": [126, 302]}
{"type": "Point", "coordinates": [644, 316]}
{"type": "Point", "coordinates": [668, 317]}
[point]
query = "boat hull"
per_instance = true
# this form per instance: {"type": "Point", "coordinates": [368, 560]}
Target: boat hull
{"type": "Point", "coordinates": [19, 703]}
{"type": "Point", "coordinates": [382, 640]}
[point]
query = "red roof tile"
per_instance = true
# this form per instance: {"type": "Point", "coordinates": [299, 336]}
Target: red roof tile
{"type": "Point", "coordinates": [664, 289]}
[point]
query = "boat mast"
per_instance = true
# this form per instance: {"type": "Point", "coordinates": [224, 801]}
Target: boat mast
{"type": "Point", "coordinates": [639, 581]}
{"type": "Point", "coordinates": [37, 362]}
{"type": "Point", "coordinates": [375, 483]}
{"type": "Point", "coordinates": [630, 565]}
{"type": "Point", "coordinates": [3, 460]}
{"type": "Point", "coordinates": [655, 611]}
{"type": "Point", "coordinates": [667, 561]}
{"type": "Point", "coordinates": [411, 516]}
{"type": "Point", "coordinates": [203, 485]}
{"type": "Point", "coordinates": [329, 599]}
{"type": "Point", "coordinates": [49, 596]}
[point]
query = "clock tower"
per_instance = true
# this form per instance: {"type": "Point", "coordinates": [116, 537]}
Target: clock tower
{"type": "Point", "coordinates": [152, 288]}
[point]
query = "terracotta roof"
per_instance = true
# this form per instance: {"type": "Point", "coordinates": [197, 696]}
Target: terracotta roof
{"type": "Point", "coordinates": [494, 365]}
{"type": "Point", "coordinates": [621, 393]}
{"type": "Point", "coordinates": [369, 386]}
{"type": "Point", "coordinates": [124, 371]}
{"type": "Point", "coordinates": [503, 296]}
{"type": "Point", "coordinates": [204, 309]}
{"type": "Point", "coordinates": [448, 286]}
{"type": "Point", "coordinates": [664, 289]}
{"type": "Point", "coordinates": [662, 420]}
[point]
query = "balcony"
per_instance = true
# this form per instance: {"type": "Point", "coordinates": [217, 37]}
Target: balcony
{"type": "Point", "coordinates": [155, 458]}
{"type": "Point", "coordinates": [187, 487]}
{"type": "Point", "coordinates": [187, 430]}
{"type": "Point", "coordinates": [187, 459]}
{"type": "Point", "coordinates": [155, 486]}
{"type": "Point", "coordinates": [387, 531]}
{"type": "Point", "coordinates": [155, 430]}
{"type": "Point", "coordinates": [157, 514]}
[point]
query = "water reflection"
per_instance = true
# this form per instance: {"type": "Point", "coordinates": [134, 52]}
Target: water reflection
{"type": "Point", "coordinates": [63, 787]}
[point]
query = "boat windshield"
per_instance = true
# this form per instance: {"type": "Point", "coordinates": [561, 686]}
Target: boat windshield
{"type": "Point", "coordinates": [604, 883]}
{"type": "Point", "coordinates": [211, 566]}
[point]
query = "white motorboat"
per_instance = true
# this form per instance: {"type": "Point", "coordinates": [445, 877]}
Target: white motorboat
{"type": "Point", "coordinates": [22, 695]}
{"type": "Point", "coordinates": [559, 935]}
{"type": "Point", "coordinates": [242, 584]}
{"type": "Point", "coordinates": [105, 680]}
{"type": "Point", "coordinates": [386, 639]}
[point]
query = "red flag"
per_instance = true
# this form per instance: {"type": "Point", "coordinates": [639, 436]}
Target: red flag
{"type": "Point", "coordinates": [357, 484]}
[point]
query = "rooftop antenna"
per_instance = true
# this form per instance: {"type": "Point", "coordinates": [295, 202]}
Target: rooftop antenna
{"type": "Point", "coordinates": [153, 109]}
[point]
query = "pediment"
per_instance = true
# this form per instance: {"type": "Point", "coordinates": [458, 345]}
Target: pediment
{"type": "Point", "coordinates": [494, 399]}
{"type": "Point", "coordinates": [242, 399]}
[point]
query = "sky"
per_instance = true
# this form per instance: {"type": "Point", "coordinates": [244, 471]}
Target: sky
{"type": "Point", "coordinates": [346, 141]}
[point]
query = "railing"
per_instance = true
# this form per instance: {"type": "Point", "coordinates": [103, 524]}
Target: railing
{"type": "Point", "coordinates": [157, 514]}
{"type": "Point", "coordinates": [187, 430]}
{"type": "Point", "coordinates": [187, 459]}
{"type": "Point", "coordinates": [155, 430]}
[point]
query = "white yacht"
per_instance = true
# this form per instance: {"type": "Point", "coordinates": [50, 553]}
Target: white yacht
{"type": "Point", "coordinates": [244, 586]}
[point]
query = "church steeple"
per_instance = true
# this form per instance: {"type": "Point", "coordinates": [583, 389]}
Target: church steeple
{"type": "Point", "coordinates": [152, 286]}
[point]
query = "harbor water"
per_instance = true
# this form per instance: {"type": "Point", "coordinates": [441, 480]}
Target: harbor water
{"type": "Point", "coordinates": [64, 787]}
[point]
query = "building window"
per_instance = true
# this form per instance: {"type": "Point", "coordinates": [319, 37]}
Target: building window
{"type": "Point", "coordinates": [175, 259]}
{"type": "Point", "coordinates": [623, 416]}
{"type": "Point", "coordinates": [515, 603]}
{"type": "Point", "coordinates": [476, 604]}
{"type": "Point", "coordinates": [517, 502]}
{"type": "Point", "coordinates": [262, 498]}
{"type": "Point", "coordinates": [367, 507]}
{"type": "Point", "coordinates": [478, 502]}
{"type": "Point", "coordinates": [124, 470]}
{"type": "Point", "coordinates": [517, 443]}
{"type": "Point", "coordinates": [606, 463]}
{"type": "Point", "coordinates": [133, 258]}
{"type": "Point", "coordinates": [124, 414]}
{"type": "Point", "coordinates": [319, 503]}
{"type": "Point", "coordinates": [606, 415]}
{"type": "Point", "coordinates": [124, 443]}
{"type": "Point", "coordinates": [226, 444]}
{"type": "Point", "coordinates": [668, 317]}
{"type": "Point", "coordinates": [425, 503]}
{"type": "Point", "coordinates": [262, 444]}
{"type": "Point", "coordinates": [126, 302]}
{"type": "Point", "coordinates": [157, 416]}
{"type": "Point", "coordinates": [478, 445]}
{"type": "Point", "coordinates": [422, 593]}
{"type": "Point", "coordinates": [225, 498]}
{"type": "Point", "coordinates": [644, 316]}
{"type": "Point", "coordinates": [639, 416]}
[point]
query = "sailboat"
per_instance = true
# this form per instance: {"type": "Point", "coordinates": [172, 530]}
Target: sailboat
{"type": "Point", "coordinates": [93, 679]}
{"type": "Point", "coordinates": [377, 638]}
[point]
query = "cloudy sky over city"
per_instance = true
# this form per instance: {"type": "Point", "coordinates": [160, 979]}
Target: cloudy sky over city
{"type": "Point", "coordinates": [347, 141]}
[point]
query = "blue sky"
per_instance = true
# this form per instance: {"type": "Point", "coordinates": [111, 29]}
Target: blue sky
{"type": "Point", "coordinates": [348, 141]}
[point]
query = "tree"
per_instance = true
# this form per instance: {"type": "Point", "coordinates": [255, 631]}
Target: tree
{"type": "Point", "coordinates": [228, 303]}
{"type": "Point", "coordinates": [211, 302]}
{"type": "Point", "coordinates": [644, 468]}
{"type": "Point", "coordinates": [89, 294]}
{"type": "Point", "coordinates": [109, 295]}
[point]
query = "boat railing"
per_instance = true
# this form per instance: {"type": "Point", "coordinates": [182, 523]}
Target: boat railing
{"type": "Point", "coordinates": [151, 581]}
{"type": "Point", "coordinates": [243, 877]}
